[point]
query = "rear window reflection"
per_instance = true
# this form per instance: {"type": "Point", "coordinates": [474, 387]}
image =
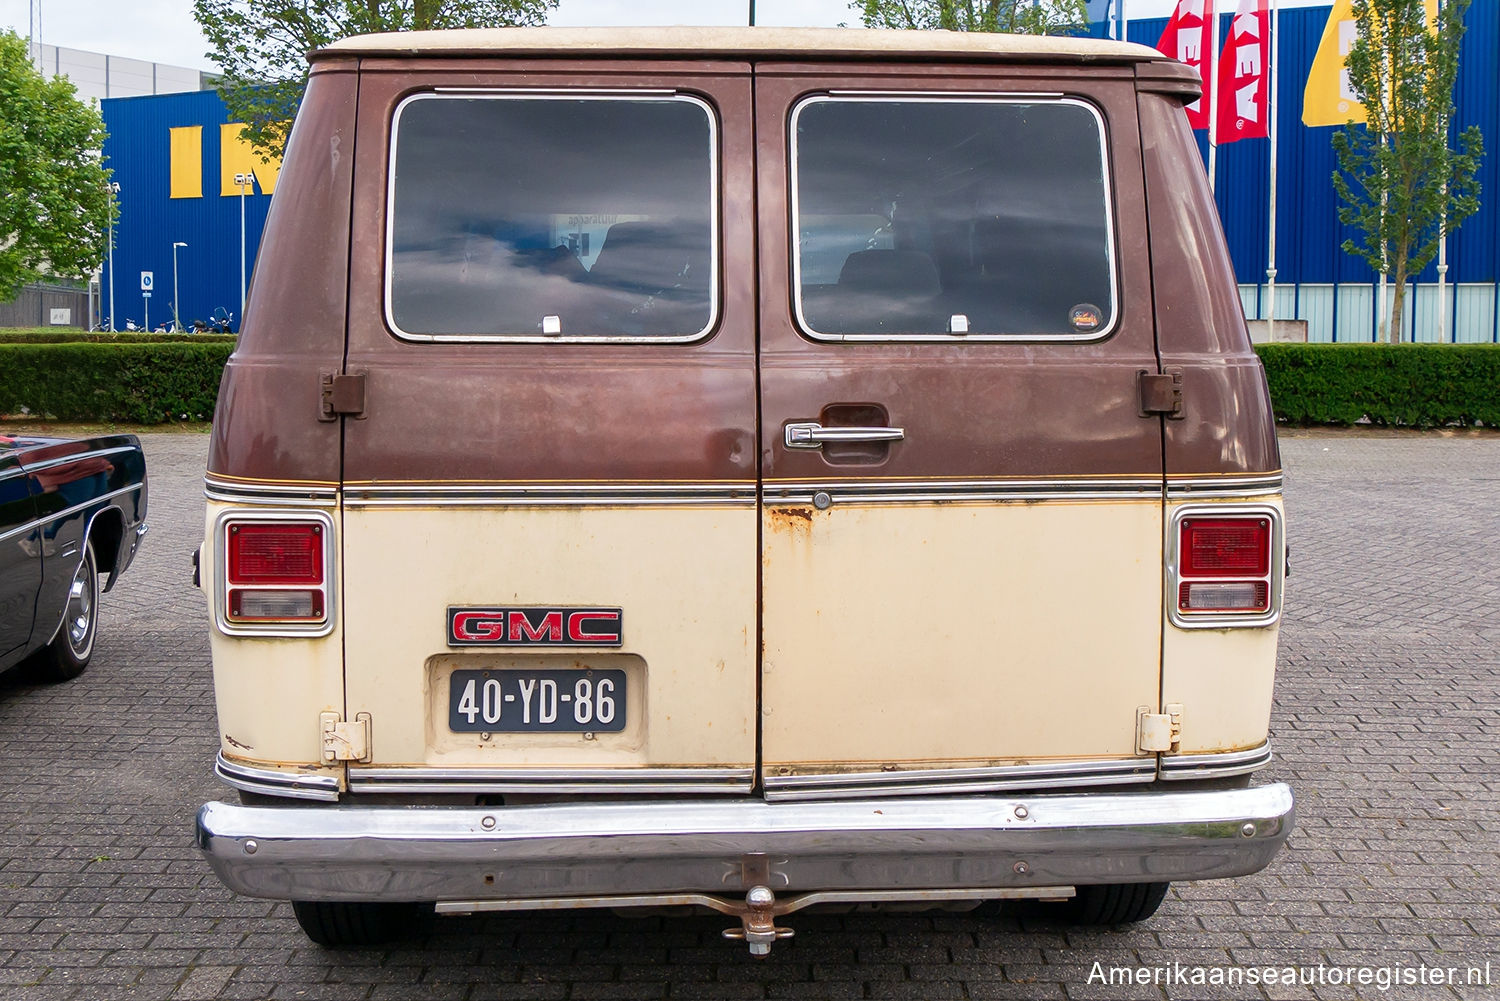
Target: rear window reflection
{"type": "Point", "coordinates": [572, 217]}
{"type": "Point", "coordinates": [938, 216]}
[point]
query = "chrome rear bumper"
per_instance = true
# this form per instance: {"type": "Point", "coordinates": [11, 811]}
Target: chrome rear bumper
{"type": "Point", "coordinates": [589, 850]}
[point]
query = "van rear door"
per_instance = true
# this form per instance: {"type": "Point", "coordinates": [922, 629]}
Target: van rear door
{"type": "Point", "coordinates": [549, 525]}
{"type": "Point", "coordinates": [961, 548]}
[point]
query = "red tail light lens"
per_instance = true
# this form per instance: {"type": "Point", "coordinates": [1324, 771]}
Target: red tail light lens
{"type": "Point", "coordinates": [1225, 567]}
{"type": "Point", "coordinates": [275, 575]}
{"type": "Point", "coordinates": [283, 553]}
{"type": "Point", "coordinates": [1225, 547]}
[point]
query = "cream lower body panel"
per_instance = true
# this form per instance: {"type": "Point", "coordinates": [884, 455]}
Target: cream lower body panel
{"type": "Point", "coordinates": [683, 577]}
{"type": "Point", "coordinates": [270, 691]}
{"type": "Point", "coordinates": [1223, 678]}
{"type": "Point", "coordinates": [964, 637]}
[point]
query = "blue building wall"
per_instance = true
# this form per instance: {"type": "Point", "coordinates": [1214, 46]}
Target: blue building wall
{"type": "Point", "coordinates": [1333, 290]}
{"type": "Point", "coordinates": [138, 150]}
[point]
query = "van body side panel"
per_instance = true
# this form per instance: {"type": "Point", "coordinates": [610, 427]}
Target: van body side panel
{"type": "Point", "coordinates": [987, 592]}
{"type": "Point", "coordinates": [270, 452]}
{"type": "Point", "coordinates": [1227, 425]}
{"type": "Point", "coordinates": [555, 475]}
{"type": "Point", "coordinates": [1222, 677]}
{"type": "Point", "coordinates": [267, 427]}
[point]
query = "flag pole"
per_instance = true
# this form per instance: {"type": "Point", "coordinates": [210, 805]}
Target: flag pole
{"type": "Point", "coordinates": [1271, 123]}
{"type": "Point", "coordinates": [1212, 76]}
{"type": "Point", "coordinates": [1124, 23]}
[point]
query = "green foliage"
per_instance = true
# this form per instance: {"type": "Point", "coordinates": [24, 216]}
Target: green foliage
{"type": "Point", "coordinates": [1402, 183]}
{"type": "Point", "coordinates": [54, 204]}
{"type": "Point", "coordinates": [45, 335]}
{"type": "Point", "coordinates": [1024, 17]}
{"type": "Point", "coordinates": [133, 383]}
{"type": "Point", "coordinates": [262, 45]}
{"type": "Point", "coordinates": [1408, 385]}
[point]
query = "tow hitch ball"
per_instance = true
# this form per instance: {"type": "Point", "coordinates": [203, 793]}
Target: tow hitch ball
{"type": "Point", "coordinates": [757, 922]}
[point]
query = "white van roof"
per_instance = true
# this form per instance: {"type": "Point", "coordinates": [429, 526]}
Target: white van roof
{"type": "Point", "coordinates": [743, 43]}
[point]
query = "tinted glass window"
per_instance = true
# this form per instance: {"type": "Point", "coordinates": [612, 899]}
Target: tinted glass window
{"type": "Point", "coordinates": [578, 217]}
{"type": "Point", "coordinates": [922, 217]}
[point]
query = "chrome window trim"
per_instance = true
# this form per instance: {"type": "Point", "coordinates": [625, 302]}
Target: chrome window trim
{"type": "Point", "coordinates": [583, 781]}
{"type": "Point", "coordinates": [928, 97]}
{"type": "Point", "coordinates": [1226, 764]}
{"type": "Point", "coordinates": [271, 782]}
{"type": "Point", "coordinates": [310, 630]}
{"type": "Point", "coordinates": [959, 781]}
{"type": "Point", "coordinates": [36, 523]}
{"type": "Point", "coordinates": [555, 94]}
{"type": "Point", "coordinates": [1216, 619]}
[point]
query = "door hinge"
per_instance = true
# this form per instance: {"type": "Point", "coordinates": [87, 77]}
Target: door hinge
{"type": "Point", "coordinates": [345, 741]}
{"type": "Point", "coordinates": [1160, 393]}
{"type": "Point", "coordinates": [1158, 731]}
{"type": "Point", "coordinates": [343, 396]}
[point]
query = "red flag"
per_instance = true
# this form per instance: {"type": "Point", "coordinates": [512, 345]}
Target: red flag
{"type": "Point", "coordinates": [1245, 74]}
{"type": "Point", "coordinates": [1187, 38]}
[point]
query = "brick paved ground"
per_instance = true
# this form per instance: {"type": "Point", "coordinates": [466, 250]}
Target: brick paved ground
{"type": "Point", "coordinates": [1385, 724]}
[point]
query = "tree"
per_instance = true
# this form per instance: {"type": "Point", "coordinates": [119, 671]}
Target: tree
{"type": "Point", "coordinates": [262, 45]}
{"type": "Point", "coordinates": [1026, 17]}
{"type": "Point", "coordinates": [54, 203]}
{"type": "Point", "coordinates": [1403, 184]}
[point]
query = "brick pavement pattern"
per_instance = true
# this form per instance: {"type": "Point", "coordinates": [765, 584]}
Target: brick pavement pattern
{"type": "Point", "coordinates": [1385, 724]}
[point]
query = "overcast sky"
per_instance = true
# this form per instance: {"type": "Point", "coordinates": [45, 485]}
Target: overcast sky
{"type": "Point", "coordinates": [163, 30]}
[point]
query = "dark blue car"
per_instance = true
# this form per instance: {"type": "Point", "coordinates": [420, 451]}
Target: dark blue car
{"type": "Point", "coordinates": [72, 511]}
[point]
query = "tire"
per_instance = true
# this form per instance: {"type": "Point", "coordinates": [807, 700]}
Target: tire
{"type": "Point", "coordinates": [69, 652]}
{"type": "Point", "coordinates": [338, 924]}
{"type": "Point", "coordinates": [1114, 903]}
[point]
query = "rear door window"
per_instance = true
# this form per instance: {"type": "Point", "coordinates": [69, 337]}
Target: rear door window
{"type": "Point", "coordinates": [552, 217]}
{"type": "Point", "coordinates": [928, 217]}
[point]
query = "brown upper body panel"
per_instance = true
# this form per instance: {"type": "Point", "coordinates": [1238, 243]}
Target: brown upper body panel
{"type": "Point", "coordinates": [267, 426]}
{"type": "Point", "coordinates": [508, 411]}
{"type": "Point", "coordinates": [1227, 426]}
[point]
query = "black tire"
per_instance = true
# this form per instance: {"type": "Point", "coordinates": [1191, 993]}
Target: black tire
{"type": "Point", "coordinates": [338, 924]}
{"type": "Point", "coordinates": [69, 652]}
{"type": "Point", "coordinates": [1114, 903]}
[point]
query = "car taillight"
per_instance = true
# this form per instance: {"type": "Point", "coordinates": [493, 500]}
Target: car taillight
{"type": "Point", "coordinates": [1224, 565]}
{"type": "Point", "coordinates": [275, 572]}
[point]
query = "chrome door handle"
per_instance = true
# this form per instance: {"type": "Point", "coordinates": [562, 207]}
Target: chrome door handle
{"type": "Point", "coordinates": [814, 435]}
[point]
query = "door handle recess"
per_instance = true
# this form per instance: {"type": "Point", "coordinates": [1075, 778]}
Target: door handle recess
{"type": "Point", "coordinates": [814, 435]}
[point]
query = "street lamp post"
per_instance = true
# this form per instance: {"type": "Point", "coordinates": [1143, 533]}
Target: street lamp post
{"type": "Point", "coordinates": [176, 316]}
{"type": "Point", "coordinates": [114, 190]}
{"type": "Point", "coordinates": [247, 178]}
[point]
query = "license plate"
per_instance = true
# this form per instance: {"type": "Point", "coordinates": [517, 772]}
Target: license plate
{"type": "Point", "coordinates": [536, 701]}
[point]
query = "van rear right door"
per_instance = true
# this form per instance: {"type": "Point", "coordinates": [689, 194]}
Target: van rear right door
{"type": "Point", "coordinates": [961, 530]}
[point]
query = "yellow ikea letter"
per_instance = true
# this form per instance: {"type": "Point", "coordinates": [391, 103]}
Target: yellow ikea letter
{"type": "Point", "coordinates": [187, 162]}
{"type": "Point", "coordinates": [238, 156]}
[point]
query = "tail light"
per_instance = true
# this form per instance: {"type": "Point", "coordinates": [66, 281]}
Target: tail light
{"type": "Point", "coordinates": [1223, 569]}
{"type": "Point", "coordinates": [274, 573]}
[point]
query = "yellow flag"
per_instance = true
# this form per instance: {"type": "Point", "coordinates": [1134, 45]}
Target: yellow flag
{"type": "Point", "coordinates": [1328, 99]}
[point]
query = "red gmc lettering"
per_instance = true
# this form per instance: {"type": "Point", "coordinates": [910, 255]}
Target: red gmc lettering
{"type": "Point", "coordinates": [578, 634]}
{"type": "Point", "coordinates": [549, 630]}
{"type": "Point", "coordinates": [478, 626]}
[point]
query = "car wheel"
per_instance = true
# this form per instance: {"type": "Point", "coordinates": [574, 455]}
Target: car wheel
{"type": "Point", "coordinates": [338, 924]}
{"type": "Point", "coordinates": [69, 652]}
{"type": "Point", "coordinates": [1114, 903]}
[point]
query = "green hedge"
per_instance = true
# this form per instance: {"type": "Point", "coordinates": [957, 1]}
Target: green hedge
{"type": "Point", "coordinates": [26, 335]}
{"type": "Point", "coordinates": [1406, 385]}
{"type": "Point", "coordinates": [153, 383]}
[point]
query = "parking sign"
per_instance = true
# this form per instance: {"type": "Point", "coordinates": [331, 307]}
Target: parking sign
{"type": "Point", "coordinates": [148, 280]}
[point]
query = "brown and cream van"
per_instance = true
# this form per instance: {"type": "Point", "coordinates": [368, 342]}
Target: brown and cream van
{"type": "Point", "coordinates": [747, 468]}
